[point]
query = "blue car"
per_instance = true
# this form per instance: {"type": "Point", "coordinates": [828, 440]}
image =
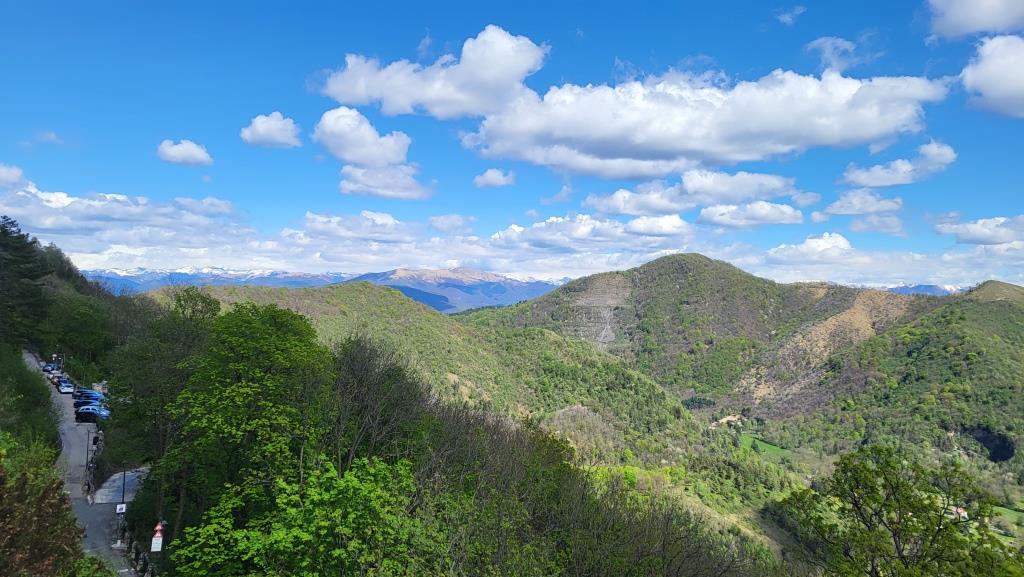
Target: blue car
{"type": "Point", "coordinates": [88, 394]}
{"type": "Point", "coordinates": [87, 402]}
{"type": "Point", "coordinates": [91, 414]}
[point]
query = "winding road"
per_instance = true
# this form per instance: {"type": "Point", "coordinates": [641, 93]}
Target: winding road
{"type": "Point", "coordinates": [96, 513]}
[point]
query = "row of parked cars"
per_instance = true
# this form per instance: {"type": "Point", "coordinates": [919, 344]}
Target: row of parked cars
{"type": "Point", "coordinates": [90, 404]}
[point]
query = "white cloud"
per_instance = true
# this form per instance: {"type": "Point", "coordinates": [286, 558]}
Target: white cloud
{"type": "Point", "coordinates": [818, 216]}
{"type": "Point", "coordinates": [835, 53]}
{"type": "Point", "coordinates": [395, 181]}
{"type": "Point", "coordinates": [639, 128]}
{"type": "Point", "coordinates": [9, 175]}
{"type": "Point", "coordinates": [788, 17]}
{"type": "Point", "coordinates": [669, 123]}
{"type": "Point", "coordinates": [753, 214]}
{"type": "Point", "coordinates": [931, 158]}
{"type": "Point", "coordinates": [829, 247]}
{"type": "Point", "coordinates": [884, 223]}
{"type": "Point", "coordinates": [494, 177]}
{"type": "Point", "coordinates": [697, 188]}
{"type": "Point", "coordinates": [488, 74]}
{"type": "Point", "coordinates": [183, 152]}
{"type": "Point", "coordinates": [668, 225]}
{"type": "Point", "coordinates": [376, 163]}
{"type": "Point", "coordinates": [997, 230]}
{"type": "Point", "coordinates": [350, 137]}
{"type": "Point", "coordinates": [863, 201]}
{"type": "Point", "coordinates": [451, 223]}
{"type": "Point", "coordinates": [272, 129]}
{"type": "Point", "coordinates": [994, 74]}
{"type": "Point", "coordinates": [954, 18]}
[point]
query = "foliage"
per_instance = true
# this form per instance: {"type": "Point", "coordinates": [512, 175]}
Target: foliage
{"type": "Point", "coordinates": [880, 515]}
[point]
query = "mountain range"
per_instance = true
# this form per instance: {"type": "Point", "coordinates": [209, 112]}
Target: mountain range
{"type": "Point", "coordinates": [446, 290]}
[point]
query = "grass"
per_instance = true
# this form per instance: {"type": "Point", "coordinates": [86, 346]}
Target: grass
{"type": "Point", "coordinates": [748, 440]}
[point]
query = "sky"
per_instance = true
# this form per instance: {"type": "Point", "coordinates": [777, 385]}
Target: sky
{"type": "Point", "coordinates": [871, 142]}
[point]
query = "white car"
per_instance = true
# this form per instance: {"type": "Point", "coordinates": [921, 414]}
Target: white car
{"type": "Point", "coordinates": [66, 388]}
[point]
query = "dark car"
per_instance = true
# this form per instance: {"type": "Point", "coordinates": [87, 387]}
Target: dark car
{"type": "Point", "coordinates": [91, 414]}
{"type": "Point", "coordinates": [81, 393]}
{"type": "Point", "coordinates": [88, 402]}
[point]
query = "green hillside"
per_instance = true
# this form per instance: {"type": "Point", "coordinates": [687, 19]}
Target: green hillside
{"type": "Point", "coordinates": [699, 324]}
{"type": "Point", "coordinates": [526, 372]}
{"type": "Point", "coordinates": [613, 415]}
{"type": "Point", "coordinates": [952, 381]}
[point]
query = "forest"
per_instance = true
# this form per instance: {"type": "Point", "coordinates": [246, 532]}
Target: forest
{"type": "Point", "coordinates": [276, 452]}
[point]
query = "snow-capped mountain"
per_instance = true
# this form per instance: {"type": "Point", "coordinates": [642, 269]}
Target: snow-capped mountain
{"type": "Point", "coordinates": [927, 289]}
{"type": "Point", "coordinates": [143, 280]}
{"type": "Point", "coordinates": [447, 290]}
{"type": "Point", "coordinates": [458, 289]}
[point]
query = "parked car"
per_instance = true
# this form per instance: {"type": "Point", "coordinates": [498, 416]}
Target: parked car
{"type": "Point", "coordinates": [87, 402]}
{"type": "Point", "coordinates": [91, 414]}
{"type": "Point", "coordinates": [86, 392]}
{"type": "Point", "coordinates": [66, 388]}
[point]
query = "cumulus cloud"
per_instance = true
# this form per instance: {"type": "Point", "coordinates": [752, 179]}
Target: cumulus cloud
{"type": "Point", "coordinates": [952, 18]}
{"type": "Point", "coordinates": [931, 158]}
{"type": "Point", "coordinates": [752, 214]}
{"type": "Point", "coordinates": [183, 152]}
{"type": "Point", "coordinates": [668, 225]}
{"type": "Point", "coordinates": [395, 181]}
{"type": "Point", "coordinates": [642, 127]}
{"type": "Point", "coordinates": [697, 188]}
{"type": "Point", "coordinates": [863, 201]}
{"type": "Point", "coordinates": [997, 230]}
{"type": "Point", "coordinates": [350, 137]}
{"type": "Point", "coordinates": [994, 76]}
{"type": "Point", "coordinates": [494, 177]}
{"type": "Point", "coordinates": [272, 129]}
{"type": "Point", "coordinates": [829, 247]}
{"type": "Point", "coordinates": [563, 195]}
{"type": "Point", "coordinates": [376, 164]}
{"type": "Point", "coordinates": [9, 175]}
{"type": "Point", "coordinates": [669, 123]}
{"type": "Point", "coordinates": [789, 16]}
{"type": "Point", "coordinates": [488, 74]}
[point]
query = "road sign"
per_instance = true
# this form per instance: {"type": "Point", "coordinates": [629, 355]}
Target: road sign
{"type": "Point", "coordinates": [157, 545]}
{"type": "Point", "coordinates": [122, 508]}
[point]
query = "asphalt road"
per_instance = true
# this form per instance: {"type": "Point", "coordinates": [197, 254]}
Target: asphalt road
{"type": "Point", "coordinates": [98, 519]}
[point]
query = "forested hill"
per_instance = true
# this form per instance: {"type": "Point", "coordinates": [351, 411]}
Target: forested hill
{"type": "Point", "coordinates": [589, 395]}
{"type": "Point", "coordinates": [702, 326]}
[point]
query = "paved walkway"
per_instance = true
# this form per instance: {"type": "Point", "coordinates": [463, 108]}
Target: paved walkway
{"type": "Point", "coordinates": [98, 519]}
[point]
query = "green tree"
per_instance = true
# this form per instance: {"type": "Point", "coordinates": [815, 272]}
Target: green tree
{"type": "Point", "coordinates": [22, 300]}
{"type": "Point", "coordinates": [882, 515]}
{"type": "Point", "coordinates": [353, 524]}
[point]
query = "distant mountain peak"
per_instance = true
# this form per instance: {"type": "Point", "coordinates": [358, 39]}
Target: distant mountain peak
{"type": "Point", "coordinates": [459, 274]}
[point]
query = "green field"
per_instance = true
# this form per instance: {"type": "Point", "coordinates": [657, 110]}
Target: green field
{"type": "Point", "coordinates": [748, 440]}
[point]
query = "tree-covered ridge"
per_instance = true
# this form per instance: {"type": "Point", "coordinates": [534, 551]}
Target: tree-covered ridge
{"type": "Point", "coordinates": [276, 437]}
{"type": "Point", "coordinates": [695, 324]}
{"type": "Point", "coordinates": [952, 380]}
{"type": "Point", "coordinates": [612, 415]}
{"type": "Point", "coordinates": [592, 396]}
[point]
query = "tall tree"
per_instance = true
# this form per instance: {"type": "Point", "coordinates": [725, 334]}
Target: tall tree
{"type": "Point", "coordinates": [883, 515]}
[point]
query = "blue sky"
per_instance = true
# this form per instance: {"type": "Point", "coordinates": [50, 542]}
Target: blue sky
{"type": "Point", "coordinates": [870, 142]}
